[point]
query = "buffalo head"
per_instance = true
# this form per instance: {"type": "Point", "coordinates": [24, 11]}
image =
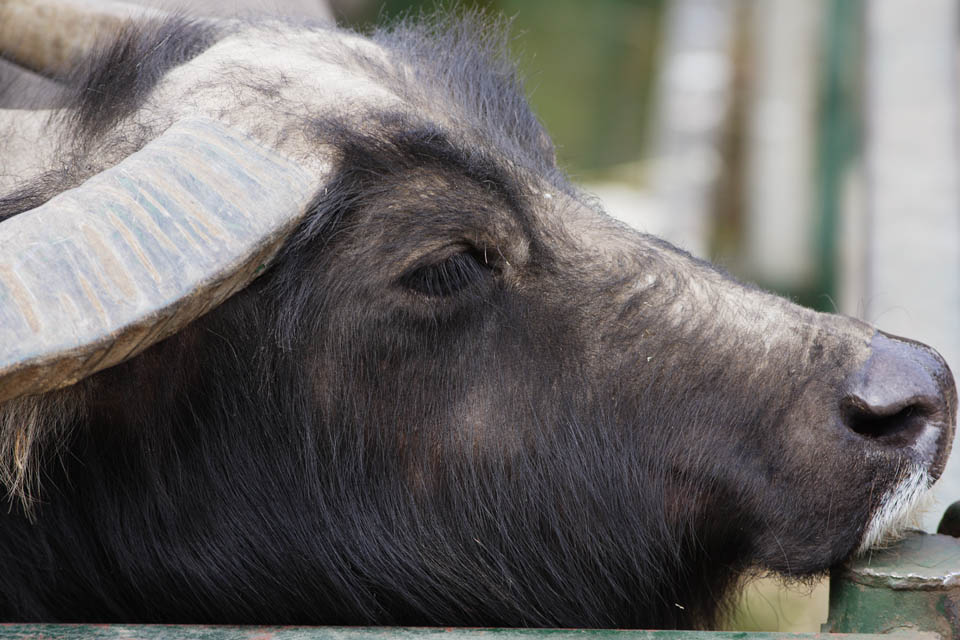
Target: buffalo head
{"type": "Point", "coordinates": [302, 326]}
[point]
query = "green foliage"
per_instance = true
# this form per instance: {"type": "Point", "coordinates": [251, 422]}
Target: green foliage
{"type": "Point", "coordinates": [588, 68]}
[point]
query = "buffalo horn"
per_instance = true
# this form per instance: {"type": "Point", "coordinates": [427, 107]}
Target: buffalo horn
{"type": "Point", "coordinates": [50, 36]}
{"type": "Point", "coordinates": [101, 272]}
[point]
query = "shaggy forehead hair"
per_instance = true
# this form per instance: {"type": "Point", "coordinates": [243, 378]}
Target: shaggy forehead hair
{"type": "Point", "coordinates": [463, 63]}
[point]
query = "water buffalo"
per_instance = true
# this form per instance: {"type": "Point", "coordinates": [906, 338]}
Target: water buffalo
{"type": "Point", "coordinates": [299, 326]}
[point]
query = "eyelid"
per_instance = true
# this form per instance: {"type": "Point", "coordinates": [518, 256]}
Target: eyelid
{"type": "Point", "coordinates": [440, 255]}
{"type": "Point", "coordinates": [446, 273]}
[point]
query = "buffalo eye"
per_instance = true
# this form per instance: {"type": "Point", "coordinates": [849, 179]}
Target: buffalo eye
{"type": "Point", "coordinates": [449, 276]}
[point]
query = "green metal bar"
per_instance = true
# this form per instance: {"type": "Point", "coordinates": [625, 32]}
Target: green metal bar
{"type": "Point", "coordinates": [909, 587]}
{"type": "Point", "coordinates": [840, 135]}
{"type": "Point", "coordinates": [202, 632]}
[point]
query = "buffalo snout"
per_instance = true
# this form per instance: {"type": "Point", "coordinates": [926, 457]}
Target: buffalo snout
{"type": "Point", "coordinates": [903, 399]}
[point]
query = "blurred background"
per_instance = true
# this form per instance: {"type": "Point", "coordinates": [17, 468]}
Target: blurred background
{"type": "Point", "coordinates": [809, 146]}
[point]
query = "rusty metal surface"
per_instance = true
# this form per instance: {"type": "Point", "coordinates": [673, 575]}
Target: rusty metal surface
{"type": "Point", "coordinates": [100, 272]}
{"type": "Point", "coordinates": [910, 587]}
{"type": "Point", "coordinates": [198, 632]}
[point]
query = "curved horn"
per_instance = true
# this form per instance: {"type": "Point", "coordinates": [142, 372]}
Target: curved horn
{"type": "Point", "coordinates": [49, 36]}
{"type": "Point", "coordinates": [101, 272]}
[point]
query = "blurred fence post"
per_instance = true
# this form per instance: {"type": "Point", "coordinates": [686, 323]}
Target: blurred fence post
{"type": "Point", "coordinates": [912, 173]}
{"type": "Point", "coordinates": [692, 99]}
{"type": "Point", "coordinates": [842, 242]}
{"type": "Point", "coordinates": [780, 231]}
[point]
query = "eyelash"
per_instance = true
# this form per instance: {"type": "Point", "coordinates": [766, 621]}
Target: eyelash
{"type": "Point", "coordinates": [450, 276]}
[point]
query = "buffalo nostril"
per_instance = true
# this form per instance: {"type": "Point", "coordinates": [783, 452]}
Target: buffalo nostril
{"type": "Point", "coordinates": [898, 424]}
{"type": "Point", "coordinates": [903, 396]}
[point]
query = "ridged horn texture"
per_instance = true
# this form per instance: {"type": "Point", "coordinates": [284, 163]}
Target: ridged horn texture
{"type": "Point", "coordinates": [50, 36]}
{"type": "Point", "coordinates": [101, 272]}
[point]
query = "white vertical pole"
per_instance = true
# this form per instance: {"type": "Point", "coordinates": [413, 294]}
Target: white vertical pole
{"type": "Point", "coordinates": [912, 173]}
{"type": "Point", "coordinates": [781, 186]}
{"type": "Point", "coordinates": [693, 99]}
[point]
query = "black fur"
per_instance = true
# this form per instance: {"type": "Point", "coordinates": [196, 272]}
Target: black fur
{"type": "Point", "coordinates": [114, 81]}
{"type": "Point", "coordinates": [538, 445]}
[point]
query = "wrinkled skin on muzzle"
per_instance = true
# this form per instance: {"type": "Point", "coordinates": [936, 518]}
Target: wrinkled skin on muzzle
{"type": "Point", "coordinates": [786, 428]}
